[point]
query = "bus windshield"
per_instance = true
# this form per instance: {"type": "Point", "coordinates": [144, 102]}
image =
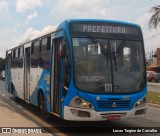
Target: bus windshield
{"type": "Point", "coordinates": [108, 65]}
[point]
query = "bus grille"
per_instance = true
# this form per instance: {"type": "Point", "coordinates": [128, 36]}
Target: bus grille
{"type": "Point", "coordinates": [113, 103]}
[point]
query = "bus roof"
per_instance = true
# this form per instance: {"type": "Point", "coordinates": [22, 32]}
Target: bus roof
{"type": "Point", "coordinates": [102, 20]}
{"type": "Point", "coordinates": [62, 26]}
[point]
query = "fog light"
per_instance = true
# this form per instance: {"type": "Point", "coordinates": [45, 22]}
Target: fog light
{"type": "Point", "coordinates": [78, 113]}
{"type": "Point", "coordinates": [74, 112]}
{"type": "Point", "coordinates": [140, 112]}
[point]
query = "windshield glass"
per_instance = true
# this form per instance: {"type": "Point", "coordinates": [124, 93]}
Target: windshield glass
{"type": "Point", "coordinates": [108, 66]}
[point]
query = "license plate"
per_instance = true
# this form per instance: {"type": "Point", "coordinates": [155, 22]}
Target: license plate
{"type": "Point", "coordinates": [113, 117]}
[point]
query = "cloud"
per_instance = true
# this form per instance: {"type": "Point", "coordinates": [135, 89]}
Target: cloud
{"type": "Point", "coordinates": [24, 5]}
{"type": "Point", "coordinates": [32, 15]}
{"type": "Point", "coordinates": [152, 40]}
{"type": "Point", "coordinates": [80, 8]}
{"type": "Point", "coordinates": [151, 37]}
{"type": "Point", "coordinates": [3, 6]}
{"type": "Point", "coordinates": [31, 32]}
{"type": "Point", "coordinates": [15, 38]}
{"type": "Point", "coordinates": [143, 20]}
{"type": "Point", "coordinates": [6, 36]}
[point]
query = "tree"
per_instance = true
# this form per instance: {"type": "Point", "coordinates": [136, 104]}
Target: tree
{"type": "Point", "coordinates": [154, 21]}
{"type": "Point", "coordinates": [2, 64]}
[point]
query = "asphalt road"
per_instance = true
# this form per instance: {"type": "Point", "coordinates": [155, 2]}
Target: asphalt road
{"type": "Point", "coordinates": [61, 127]}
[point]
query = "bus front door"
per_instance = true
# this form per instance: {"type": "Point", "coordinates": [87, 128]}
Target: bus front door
{"type": "Point", "coordinates": [56, 78]}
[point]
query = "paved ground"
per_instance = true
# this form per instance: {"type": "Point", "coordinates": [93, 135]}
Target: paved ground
{"type": "Point", "coordinates": [9, 117]}
{"type": "Point", "coordinates": [155, 87]}
{"type": "Point", "coordinates": [153, 83]}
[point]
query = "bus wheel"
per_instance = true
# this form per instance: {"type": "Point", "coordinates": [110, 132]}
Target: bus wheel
{"type": "Point", "coordinates": [15, 98]}
{"type": "Point", "coordinates": [43, 108]}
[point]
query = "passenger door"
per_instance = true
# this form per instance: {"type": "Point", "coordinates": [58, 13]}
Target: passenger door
{"type": "Point", "coordinates": [27, 74]}
{"type": "Point", "coordinates": [56, 78]}
{"type": "Point", "coordinates": [8, 72]}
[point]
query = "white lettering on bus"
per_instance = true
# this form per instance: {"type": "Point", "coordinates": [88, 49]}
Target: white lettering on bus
{"type": "Point", "coordinates": [84, 28]}
{"type": "Point", "coordinates": [104, 29]}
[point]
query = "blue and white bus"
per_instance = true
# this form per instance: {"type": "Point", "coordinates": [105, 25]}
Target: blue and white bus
{"type": "Point", "coordinates": [85, 70]}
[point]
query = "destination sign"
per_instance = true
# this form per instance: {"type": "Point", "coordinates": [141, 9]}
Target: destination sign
{"type": "Point", "coordinates": [106, 29]}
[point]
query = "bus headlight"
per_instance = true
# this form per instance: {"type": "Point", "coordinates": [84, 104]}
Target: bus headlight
{"type": "Point", "coordinates": [78, 102]}
{"type": "Point", "coordinates": [142, 102]}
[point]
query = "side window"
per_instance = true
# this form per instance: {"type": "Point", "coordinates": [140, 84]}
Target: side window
{"type": "Point", "coordinates": [44, 60]}
{"type": "Point", "coordinates": [35, 47]}
{"type": "Point", "coordinates": [13, 53]}
{"type": "Point", "coordinates": [67, 69]}
{"type": "Point", "coordinates": [15, 61]}
{"type": "Point", "coordinates": [21, 54]}
{"type": "Point", "coordinates": [35, 53]}
{"type": "Point", "coordinates": [12, 59]}
{"type": "Point", "coordinates": [45, 44]}
{"type": "Point", "coordinates": [17, 53]}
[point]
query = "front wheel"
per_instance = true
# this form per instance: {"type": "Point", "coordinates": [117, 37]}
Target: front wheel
{"type": "Point", "coordinates": [43, 108]}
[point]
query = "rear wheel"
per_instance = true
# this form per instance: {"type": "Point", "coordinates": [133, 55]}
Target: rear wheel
{"type": "Point", "coordinates": [15, 98]}
{"type": "Point", "coordinates": [43, 108]}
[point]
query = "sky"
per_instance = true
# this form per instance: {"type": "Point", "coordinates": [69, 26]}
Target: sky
{"type": "Point", "coordinates": [20, 19]}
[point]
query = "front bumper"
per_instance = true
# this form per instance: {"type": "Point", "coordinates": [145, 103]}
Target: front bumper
{"type": "Point", "coordinates": [101, 116]}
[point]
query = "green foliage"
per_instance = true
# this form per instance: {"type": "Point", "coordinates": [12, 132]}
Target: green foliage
{"type": "Point", "coordinates": [153, 97]}
{"type": "Point", "coordinates": [154, 21]}
{"type": "Point", "coordinates": [2, 64]}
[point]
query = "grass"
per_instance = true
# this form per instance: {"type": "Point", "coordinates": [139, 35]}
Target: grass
{"type": "Point", "coordinates": [153, 97]}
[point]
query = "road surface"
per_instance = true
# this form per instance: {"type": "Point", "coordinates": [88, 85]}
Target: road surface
{"type": "Point", "coordinates": [61, 127]}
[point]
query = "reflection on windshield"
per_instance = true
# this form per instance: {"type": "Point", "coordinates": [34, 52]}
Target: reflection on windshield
{"type": "Point", "coordinates": [93, 62]}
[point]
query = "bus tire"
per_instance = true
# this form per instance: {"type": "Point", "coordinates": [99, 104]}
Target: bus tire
{"type": "Point", "coordinates": [15, 98]}
{"type": "Point", "coordinates": [42, 106]}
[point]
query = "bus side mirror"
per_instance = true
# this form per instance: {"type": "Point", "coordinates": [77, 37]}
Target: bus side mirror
{"type": "Point", "coordinates": [62, 50]}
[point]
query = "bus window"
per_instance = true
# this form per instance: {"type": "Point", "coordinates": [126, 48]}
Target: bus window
{"type": "Point", "coordinates": [67, 70]}
{"type": "Point", "coordinates": [14, 62]}
{"type": "Point", "coordinates": [45, 44]}
{"type": "Point", "coordinates": [16, 53]}
{"type": "Point", "coordinates": [35, 54]}
{"type": "Point", "coordinates": [44, 60]}
{"type": "Point", "coordinates": [21, 53]}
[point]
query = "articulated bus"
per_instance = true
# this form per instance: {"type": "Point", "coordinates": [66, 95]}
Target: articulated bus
{"type": "Point", "coordinates": [84, 70]}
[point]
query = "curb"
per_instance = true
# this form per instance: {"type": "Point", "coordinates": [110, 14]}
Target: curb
{"type": "Point", "coordinates": [153, 105]}
{"type": "Point", "coordinates": [153, 84]}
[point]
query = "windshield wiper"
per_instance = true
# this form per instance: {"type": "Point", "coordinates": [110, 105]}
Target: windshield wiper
{"type": "Point", "coordinates": [93, 39]}
{"type": "Point", "coordinates": [115, 61]}
{"type": "Point", "coordinates": [118, 52]}
{"type": "Point", "coordinates": [121, 45]}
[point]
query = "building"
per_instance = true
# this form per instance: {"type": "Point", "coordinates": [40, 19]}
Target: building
{"type": "Point", "coordinates": [154, 63]}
